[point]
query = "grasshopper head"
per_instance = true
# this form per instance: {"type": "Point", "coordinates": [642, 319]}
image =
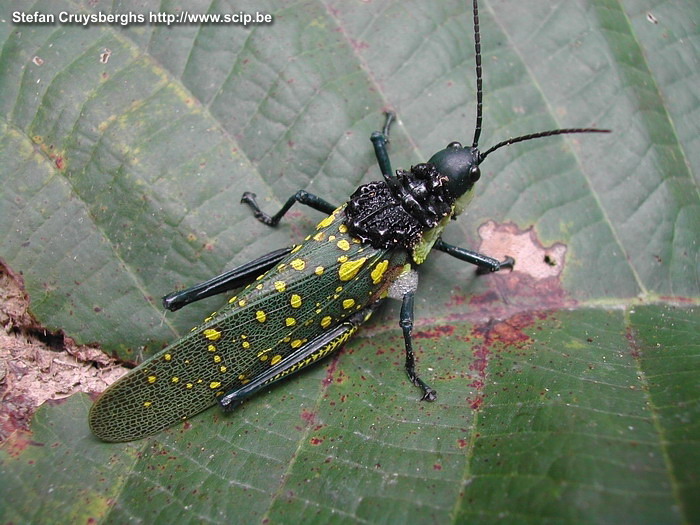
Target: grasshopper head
{"type": "Point", "coordinates": [461, 167]}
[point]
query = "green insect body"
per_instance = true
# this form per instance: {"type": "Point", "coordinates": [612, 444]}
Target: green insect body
{"type": "Point", "coordinates": [299, 304]}
{"type": "Point", "coordinates": [323, 281]}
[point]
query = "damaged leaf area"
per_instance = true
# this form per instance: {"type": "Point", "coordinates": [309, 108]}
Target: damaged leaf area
{"type": "Point", "coordinates": [37, 365]}
{"type": "Point", "coordinates": [537, 271]}
{"type": "Point", "coordinates": [532, 259]}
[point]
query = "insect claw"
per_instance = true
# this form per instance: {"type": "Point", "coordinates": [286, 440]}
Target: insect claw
{"type": "Point", "coordinates": [248, 197]}
{"type": "Point", "coordinates": [508, 262]}
{"type": "Point", "coordinates": [430, 395]}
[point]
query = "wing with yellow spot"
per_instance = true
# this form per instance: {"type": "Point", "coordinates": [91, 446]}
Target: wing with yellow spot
{"type": "Point", "coordinates": [327, 278]}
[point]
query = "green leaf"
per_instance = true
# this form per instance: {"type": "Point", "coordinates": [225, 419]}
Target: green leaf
{"type": "Point", "coordinates": [568, 389]}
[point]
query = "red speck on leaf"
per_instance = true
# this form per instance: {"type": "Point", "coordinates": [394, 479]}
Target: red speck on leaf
{"type": "Point", "coordinates": [436, 333]}
{"type": "Point", "coordinates": [308, 416]}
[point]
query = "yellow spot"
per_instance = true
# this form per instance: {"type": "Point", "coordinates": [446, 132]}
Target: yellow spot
{"type": "Point", "coordinates": [259, 286]}
{"type": "Point", "coordinates": [342, 258]}
{"type": "Point", "coordinates": [348, 270]}
{"type": "Point", "coordinates": [325, 223]}
{"type": "Point", "coordinates": [319, 270]}
{"type": "Point", "coordinates": [290, 321]}
{"type": "Point", "coordinates": [175, 379]}
{"type": "Point", "coordinates": [348, 303]}
{"type": "Point", "coordinates": [189, 385]}
{"type": "Point", "coordinates": [280, 286]}
{"type": "Point", "coordinates": [298, 264]}
{"type": "Point", "coordinates": [151, 379]}
{"type": "Point", "coordinates": [211, 334]}
{"type": "Point", "coordinates": [342, 228]}
{"type": "Point", "coordinates": [319, 236]}
{"type": "Point", "coordinates": [295, 301]}
{"type": "Point", "coordinates": [246, 344]}
{"type": "Point", "coordinates": [296, 343]}
{"type": "Point", "coordinates": [339, 289]}
{"type": "Point", "coordinates": [326, 321]}
{"type": "Point", "coordinates": [379, 270]}
{"type": "Point", "coordinates": [217, 359]}
{"type": "Point", "coordinates": [242, 303]}
{"type": "Point", "coordinates": [214, 384]}
{"type": "Point", "coordinates": [343, 244]}
{"type": "Point", "coordinates": [147, 404]}
{"type": "Point", "coordinates": [281, 267]}
{"type": "Point", "coordinates": [263, 357]}
{"type": "Point", "coordinates": [211, 348]}
{"type": "Point", "coordinates": [241, 377]}
{"type": "Point", "coordinates": [261, 316]}
{"type": "Point", "coordinates": [222, 368]}
{"type": "Point", "coordinates": [233, 299]}
{"type": "Point", "coordinates": [276, 359]}
{"type": "Point", "coordinates": [331, 238]}
{"type": "Point", "coordinates": [296, 248]}
{"type": "Point", "coordinates": [167, 357]}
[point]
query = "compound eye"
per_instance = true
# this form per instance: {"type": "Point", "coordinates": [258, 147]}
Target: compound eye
{"type": "Point", "coordinates": [454, 145]}
{"type": "Point", "coordinates": [474, 173]}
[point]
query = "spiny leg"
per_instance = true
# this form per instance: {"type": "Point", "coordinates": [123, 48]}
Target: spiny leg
{"type": "Point", "coordinates": [301, 196]}
{"type": "Point", "coordinates": [235, 278]}
{"type": "Point", "coordinates": [406, 323]}
{"type": "Point", "coordinates": [380, 139]}
{"type": "Point", "coordinates": [484, 263]}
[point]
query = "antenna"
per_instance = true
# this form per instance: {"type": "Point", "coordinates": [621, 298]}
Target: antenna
{"type": "Point", "coordinates": [479, 88]}
{"type": "Point", "coordinates": [539, 135]}
{"type": "Point", "coordinates": [480, 104]}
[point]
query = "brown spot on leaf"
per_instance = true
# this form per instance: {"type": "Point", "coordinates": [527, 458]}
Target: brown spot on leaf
{"type": "Point", "coordinates": [308, 416]}
{"type": "Point", "coordinates": [104, 56]}
{"type": "Point", "coordinates": [436, 333]}
{"type": "Point", "coordinates": [18, 443]}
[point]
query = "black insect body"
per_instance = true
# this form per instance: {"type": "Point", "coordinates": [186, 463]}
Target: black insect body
{"type": "Point", "coordinates": [301, 303]}
{"type": "Point", "coordinates": [395, 216]}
